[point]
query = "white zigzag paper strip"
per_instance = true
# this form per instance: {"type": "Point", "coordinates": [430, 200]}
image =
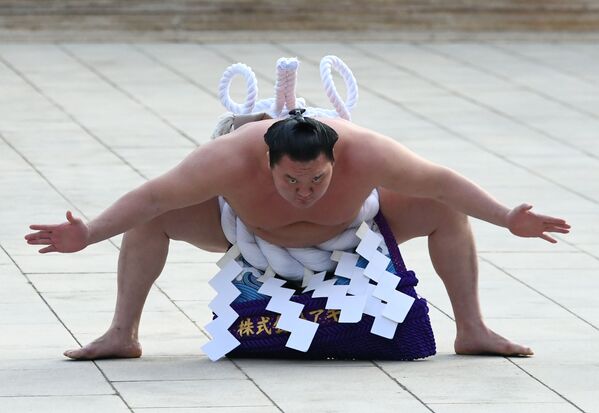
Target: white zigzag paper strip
{"type": "Point", "coordinates": [347, 267]}
{"type": "Point", "coordinates": [222, 340]}
{"type": "Point", "coordinates": [382, 326]}
{"type": "Point", "coordinates": [314, 281]}
{"type": "Point", "coordinates": [302, 331]}
{"type": "Point", "coordinates": [368, 248]}
{"type": "Point", "coordinates": [397, 304]}
{"type": "Point", "coordinates": [351, 307]}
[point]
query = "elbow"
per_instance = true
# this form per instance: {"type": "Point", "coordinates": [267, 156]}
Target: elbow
{"type": "Point", "coordinates": [152, 204]}
{"type": "Point", "coordinates": [444, 184]}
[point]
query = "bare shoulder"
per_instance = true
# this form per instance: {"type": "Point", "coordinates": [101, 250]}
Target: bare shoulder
{"type": "Point", "coordinates": [215, 168]}
{"type": "Point", "coordinates": [389, 163]}
{"type": "Point", "coordinates": [362, 145]}
{"type": "Point", "coordinates": [230, 156]}
{"type": "Point", "coordinates": [356, 135]}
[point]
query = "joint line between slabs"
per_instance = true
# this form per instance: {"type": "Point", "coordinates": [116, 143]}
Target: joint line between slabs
{"type": "Point", "coordinates": [41, 175]}
{"type": "Point", "coordinates": [70, 116]}
{"type": "Point", "coordinates": [234, 363]}
{"type": "Point", "coordinates": [116, 392]}
{"type": "Point", "coordinates": [63, 196]}
{"type": "Point", "coordinates": [404, 387]}
{"type": "Point", "coordinates": [506, 79]}
{"type": "Point", "coordinates": [257, 386]}
{"type": "Point", "coordinates": [545, 385]}
{"type": "Point", "coordinates": [530, 287]}
{"type": "Point", "coordinates": [540, 62]}
{"type": "Point", "coordinates": [175, 71]}
{"type": "Point", "coordinates": [118, 88]}
{"type": "Point", "coordinates": [471, 100]}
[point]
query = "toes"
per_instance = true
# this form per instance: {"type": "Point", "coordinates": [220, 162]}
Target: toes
{"type": "Point", "coordinates": [78, 354]}
{"type": "Point", "coordinates": [72, 354]}
{"type": "Point", "coordinates": [95, 352]}
{"type": "Point", "coordinates": [520, 351]}
{"type": "Point", "coordinates": [492, 344]}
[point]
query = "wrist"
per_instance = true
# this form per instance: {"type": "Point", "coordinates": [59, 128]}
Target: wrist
{"type": "Point", "coordinates": [504, 217]}
{"type": "Point", "coordinates": [90, 234]}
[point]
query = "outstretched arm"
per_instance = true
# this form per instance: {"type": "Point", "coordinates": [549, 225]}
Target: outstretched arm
{"type": "Point", "coordinates": [196, 179]}
{"type": "Point", "coordinates": [403, 171]}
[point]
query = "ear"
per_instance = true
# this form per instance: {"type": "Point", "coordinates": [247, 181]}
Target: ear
{"type": "Point", "coordinates": [268, 159]}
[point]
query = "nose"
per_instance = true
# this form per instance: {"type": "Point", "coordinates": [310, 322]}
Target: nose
{"type": "Point", "coordinates": [304, 192]}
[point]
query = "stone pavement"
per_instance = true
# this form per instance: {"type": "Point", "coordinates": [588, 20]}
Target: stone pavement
{"type": "Point", "coordinates": [80, 124]}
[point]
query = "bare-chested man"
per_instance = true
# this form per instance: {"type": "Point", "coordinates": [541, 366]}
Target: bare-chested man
{"type": "Point", "coordinates": [296, 197]}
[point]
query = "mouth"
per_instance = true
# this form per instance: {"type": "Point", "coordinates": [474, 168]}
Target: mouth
{"type": "Point", "coordinates": [304, 200]}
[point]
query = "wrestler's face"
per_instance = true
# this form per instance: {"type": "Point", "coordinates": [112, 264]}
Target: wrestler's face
{"type": "Point", "coordinates": [302, 183]}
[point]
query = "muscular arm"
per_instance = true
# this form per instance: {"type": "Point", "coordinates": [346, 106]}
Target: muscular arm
{"type": "Point", "coordinates": [200, 176]}
{"type": "Point", "coordinates": [399, 169]}
{"type": "Point", "coordinates": [396, 168]}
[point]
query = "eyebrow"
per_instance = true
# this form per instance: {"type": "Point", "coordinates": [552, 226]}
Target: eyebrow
{"type": "Point", "coordinates": [316, 176]}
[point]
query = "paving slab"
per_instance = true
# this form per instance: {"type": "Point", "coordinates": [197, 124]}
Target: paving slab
{"type": "Point", "coordinates": [192, 393]}
{"type": "Point", "coordinates": [348, 383]}
{"type": "Point", "coordinates": [60, 404]}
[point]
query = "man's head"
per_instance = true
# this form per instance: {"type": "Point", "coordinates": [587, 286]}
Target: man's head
{"type": "Point", "coordinates": [300, 151]}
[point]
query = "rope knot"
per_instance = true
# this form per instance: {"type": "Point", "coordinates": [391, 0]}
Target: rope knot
{"type": "Point", "coordinates": [297, 114]}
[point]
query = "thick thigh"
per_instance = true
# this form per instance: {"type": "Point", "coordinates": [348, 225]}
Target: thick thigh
{"type": "Point", "coordinates": [411, 217]}
{"type": "Point", "coordinates": [198, 225]}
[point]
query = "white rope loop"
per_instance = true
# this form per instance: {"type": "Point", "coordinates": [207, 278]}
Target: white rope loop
{"type": "Point", "coordinates": [285, 85]}
{"type": "Point", "coordinates": [333, 62]}
{"type": "Point", "coordinates": [225, 85]}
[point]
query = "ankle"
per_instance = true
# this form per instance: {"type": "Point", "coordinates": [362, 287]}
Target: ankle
{"type": "Point", "coordinates": [123, 333]}
{"type": "Point", "coordinates": [470, 326]}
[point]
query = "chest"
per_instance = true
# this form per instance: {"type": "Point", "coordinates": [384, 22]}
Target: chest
{"type": "Point", "coordinates": [265, 209]}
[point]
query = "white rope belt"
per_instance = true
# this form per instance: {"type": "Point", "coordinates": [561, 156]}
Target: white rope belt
{"type": "Point", "coordinates": [290, 263]}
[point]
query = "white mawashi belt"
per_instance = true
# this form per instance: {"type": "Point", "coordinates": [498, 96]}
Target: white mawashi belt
{"type": "Point", "coordinates": [290, 263]}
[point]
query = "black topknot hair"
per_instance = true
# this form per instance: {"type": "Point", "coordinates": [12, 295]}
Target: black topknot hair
{"type": "Point", "coordinates": [301, 138]}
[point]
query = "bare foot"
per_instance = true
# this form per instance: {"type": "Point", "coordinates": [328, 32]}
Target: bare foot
{"type": "Point", "coordinates": [484, 341]}
{"type": "Point", "coordinates": [110, 345]}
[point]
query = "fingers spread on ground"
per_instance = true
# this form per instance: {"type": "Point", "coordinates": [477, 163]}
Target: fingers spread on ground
{"type": "Point", "coordinates": [51, 248]}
